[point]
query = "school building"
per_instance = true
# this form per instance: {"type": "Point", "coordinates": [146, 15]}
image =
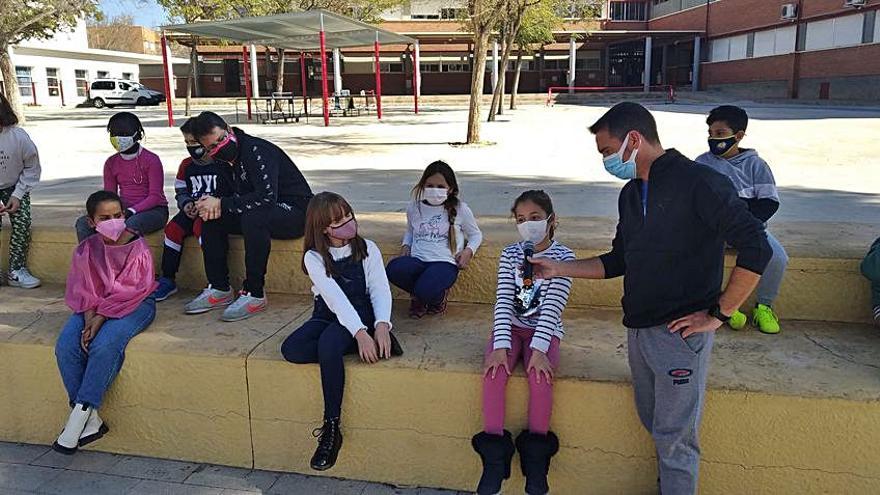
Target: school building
{"type": "Point", "coordinates": [810, 49]}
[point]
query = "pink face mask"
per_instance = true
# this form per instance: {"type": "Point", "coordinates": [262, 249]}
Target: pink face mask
{"type": "Point", "coordinates": [111, 229]}
{"type": "Point", "coordinates": [346, 231]}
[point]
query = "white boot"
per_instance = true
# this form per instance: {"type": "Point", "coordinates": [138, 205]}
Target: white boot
{"type": "Point", "coordinates": [94, 430]}
{"type": "Point", "coordinates": [68, 441]}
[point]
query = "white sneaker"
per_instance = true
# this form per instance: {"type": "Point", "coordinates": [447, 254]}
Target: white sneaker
{"type": "Point", "coordinates": [23, 279]}
{"type": "Point", "coordinates": [68, 441]}
{"type": "Point", "coordinates": [94, 430]}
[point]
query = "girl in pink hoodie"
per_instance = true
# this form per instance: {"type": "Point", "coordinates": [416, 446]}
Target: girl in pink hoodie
{"type": "Point", "coordinates": [108, 289]}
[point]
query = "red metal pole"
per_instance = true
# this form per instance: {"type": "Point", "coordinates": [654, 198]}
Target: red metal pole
{"type": "Point", "coordinates": [302, 71]}
{"type": "Point", "coordinates": [168, 95]}
{"type": "Point", "coordinates": [61, 91]}
{"type": "Point", "coordinates": [324, 74]}
{"type": "Point", "coordinates": [416, 78]}
{"type": "Point", "coordinates": [34, 92]}
{"type": "Point", "coordinates": [247, 79]}
{"type": "Point", "coordinates": [378, 80]}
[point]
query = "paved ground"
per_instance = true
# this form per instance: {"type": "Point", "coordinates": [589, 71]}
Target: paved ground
{"type": "Point", "coordinates": [37, 469]}
{"type": "Point", "coordinates": [825, 159]}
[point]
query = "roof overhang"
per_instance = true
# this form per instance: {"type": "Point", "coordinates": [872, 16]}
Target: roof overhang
{"type": "Point", "coordinates": [93, 54]}
{"type": "Point", "coordinates": [297, 31]}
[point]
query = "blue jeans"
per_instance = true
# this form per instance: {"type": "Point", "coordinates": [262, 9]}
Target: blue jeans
{"type": "Point", "coordinates": [425, 281]}
{"type": "Point", "coordinates": [768, 286]}
{"type": "Point", "coordinates": [88, 376]}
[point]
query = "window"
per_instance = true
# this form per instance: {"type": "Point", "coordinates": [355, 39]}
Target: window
{"type": "Point", "coordinates": [429, 67]}
{"type": "Point", "coordinates": [102, 74]}
{"type": "Point", "coordinates": [588, 60]}
{"type": "Point", "coordinates": [835, 33]}
{"type": "Point", "coordinates": [425, 16]}
{"type": "Point", "coordinates": [386, 67]}
{"type": "Point", "coordinates": [25, 88]}
{"type": "Point", "coordinates": [52, 81]}
{"type": "Point", "coordinates": [456, 67]}
{"type": "Point", "coordinates": [124, 86]}
{"type": "Point", "coordinates": [555, 64]}
{"type": "Point", "coordinates": [82, 83]}
{"type": "Point", "coordinates": [452, 13]}
{"type": "Point", "coordinates": [103, 86]}
{"type": "Point", "coordinates": [628, 11]}
{"type": "Point", "coordinates": [127, 76]}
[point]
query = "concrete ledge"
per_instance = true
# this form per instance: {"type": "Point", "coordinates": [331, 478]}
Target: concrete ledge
{"type": "Point", "coordinates": [795, 413]}
{"type": "Point", "coordinates": [822, 283]}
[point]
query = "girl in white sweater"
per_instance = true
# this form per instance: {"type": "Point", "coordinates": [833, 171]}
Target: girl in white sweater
{"type": "Point", "coordinates": [352, 310]}
{"type": "Point", "coordinates": [441, 238]}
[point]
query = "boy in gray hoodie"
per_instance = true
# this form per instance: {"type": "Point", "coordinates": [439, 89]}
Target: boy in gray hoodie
{"type": "Point", "coordinates": [19, 173]}
{"type": "Point", "coordinates": [756, 186]}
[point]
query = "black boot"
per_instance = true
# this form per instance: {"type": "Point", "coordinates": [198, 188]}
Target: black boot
{"type": "Point", "coordinates": [329, 442]}
{"type": "Point", "coordinates": [535, 452]}
{"type": "Point", "coordinates": [496, 451]}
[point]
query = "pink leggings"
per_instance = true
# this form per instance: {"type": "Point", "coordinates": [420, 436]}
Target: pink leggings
{"type": "Point", "coordinates": [540, 394]}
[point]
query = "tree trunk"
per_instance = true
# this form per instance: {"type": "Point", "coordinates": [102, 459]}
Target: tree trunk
{"type": "Point", "coordinates": [10, 83]}
{"type": "Point", "coordinates": [503, 84]}
{"type": "Point", "coordinates": [515, 89]}
{"type": "Point", "coordinates": [197, 91]}
{"type": "Point", "coordinates": [279, 77]}
{"type": "Point", "coordinates": [510, 33]}
{"type": "Point", "coordinates": [279, 71]}
{"type": "Point", "coordinates": [478, 79]}
{"type": "Point", "coordinates": [190, 80]}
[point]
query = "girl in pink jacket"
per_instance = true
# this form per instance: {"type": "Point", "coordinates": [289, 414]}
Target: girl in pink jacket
{"type": "Point", "coordinates": [108, 289]}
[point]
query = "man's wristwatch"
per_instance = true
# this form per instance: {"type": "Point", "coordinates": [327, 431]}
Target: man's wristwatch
{"type": "Point", "coordinates": [715, 312]}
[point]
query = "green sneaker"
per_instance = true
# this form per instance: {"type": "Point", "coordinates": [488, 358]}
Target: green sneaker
{"type": "Point", "coordinates": [765, 319]}
{"type": "Point", "coordinates": [738, 320]}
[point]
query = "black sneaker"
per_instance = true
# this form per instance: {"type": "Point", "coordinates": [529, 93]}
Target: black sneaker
{"type": "Point", "coordinates": [329, 442]}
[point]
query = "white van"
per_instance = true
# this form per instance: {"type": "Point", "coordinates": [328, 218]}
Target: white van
{"type": "Point", "coordinates": [112, 92]}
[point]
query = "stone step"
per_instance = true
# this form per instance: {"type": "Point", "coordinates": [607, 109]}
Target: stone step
{"type": "Point", "coordinates": [822, 283]}
{"type": "Point", "coordinates": [795, 413]}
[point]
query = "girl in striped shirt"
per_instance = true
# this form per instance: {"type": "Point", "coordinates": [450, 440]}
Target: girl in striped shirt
{"type": "Point", "coordinates": [531, 329]}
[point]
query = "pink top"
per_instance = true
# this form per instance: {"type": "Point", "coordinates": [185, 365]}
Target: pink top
{"type": "Point", "coordinates": [112, 280]}
{"type": "Point", "coordinates": [139, 182]}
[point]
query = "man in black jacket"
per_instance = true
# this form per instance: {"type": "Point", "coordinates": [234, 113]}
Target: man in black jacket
{"type": "Point", "coordinates": [269, 201]}
{"type": "Point", "coordinates": [675, 217]}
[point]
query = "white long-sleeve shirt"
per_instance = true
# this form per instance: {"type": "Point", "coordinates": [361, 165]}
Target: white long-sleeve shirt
{"type": "Point", "coordinates": [552, 297]}
{"type": "Point", "coordinates": [19, 161]}
{"type": "Point", "coordinates": [427, 232]}
{"type": "Point", "coordinates": [377, 286]}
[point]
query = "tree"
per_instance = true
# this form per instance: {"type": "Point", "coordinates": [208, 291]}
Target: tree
{"type": "Point", "coordinates": [509, 26]}
{"type": "Point", "coordinates": [110, 33]}
{"type": "Point", "coordinates": [483, 16]}
{"type": "Point", "coordinates": [538, 23]}
{"type": "Point", "coordinates": [189, 11]}
{"type": "Point", "coordinates": [34, 19]}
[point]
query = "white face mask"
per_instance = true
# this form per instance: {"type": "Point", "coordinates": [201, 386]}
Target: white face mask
{"type": "Point", "coordinates": [435, 196]}
{"type": "Point", "coordinates": [534, 231]}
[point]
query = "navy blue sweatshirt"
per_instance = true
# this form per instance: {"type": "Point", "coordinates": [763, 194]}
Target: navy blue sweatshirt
{"type": "Point", "coordinates": [264, 176]}
{"type": "Point", "coordinates": [672, 258]}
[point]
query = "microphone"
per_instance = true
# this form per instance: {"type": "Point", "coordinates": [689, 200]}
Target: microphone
{"type": "Point", "coordinates": [528, 270]}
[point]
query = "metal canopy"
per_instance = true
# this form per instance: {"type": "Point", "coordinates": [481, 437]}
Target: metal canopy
{"type": "Point", "coordinates": [297, 31]}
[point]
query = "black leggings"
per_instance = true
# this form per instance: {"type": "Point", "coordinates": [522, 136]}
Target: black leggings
{"type": "Point", "coordinates": [323, 342]}
{"type": "Point", "coordinates": [258, 227]}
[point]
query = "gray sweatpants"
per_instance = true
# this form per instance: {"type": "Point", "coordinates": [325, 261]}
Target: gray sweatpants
{"type": "Point", "coordinates": [669, 380]}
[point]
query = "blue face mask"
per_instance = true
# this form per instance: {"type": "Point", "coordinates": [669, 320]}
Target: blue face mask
{"type": "Point", "coordinates": [615, 165]}
{"type": "Point", "coordinates": [720, 146]}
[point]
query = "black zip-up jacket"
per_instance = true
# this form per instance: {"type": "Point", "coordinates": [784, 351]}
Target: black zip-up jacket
{"type": "Point", "coordinates": [672, 259]}
{"type": "Point", "coordinates": [263, 176]}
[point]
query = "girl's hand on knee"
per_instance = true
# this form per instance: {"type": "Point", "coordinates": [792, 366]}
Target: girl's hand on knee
{"type": "Point", "coordinates": [405, 250]}
{"type": "Point", "coordinates": [383, 339]}
{"type": "Point", "coordinates": [464, 258]}
{"type": "Point", "coordinates": [540, 364]}
{"type": "Point", "coordinates": [90, 330]}
{"type": "Point", "coordinates": [496, 360]}
{"type": "Point", "coordinates": [366, 346]}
